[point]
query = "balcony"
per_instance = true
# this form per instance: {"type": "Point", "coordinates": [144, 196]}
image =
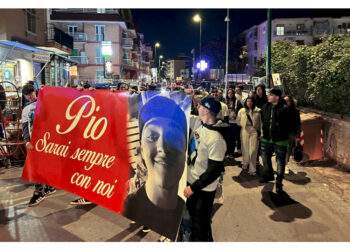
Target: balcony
{"type": "Point", "coordinates": [127, 62]}
{"type": "Point", "coordinates": [77, 36]}
{"type": "Point", "coordinates": [80, 59]}
{"type": "Point", "coordinates": [127, 43]}
{"type": "Point", "coordinates": [99, 37]}
{"type": "Point", "coordinates": [294, 33]}
{"type": "Point", "coordinates": [99, 60]}
{"type": "Point", "coordinates": [57, 36]}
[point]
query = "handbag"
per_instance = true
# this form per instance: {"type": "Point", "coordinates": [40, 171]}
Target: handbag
{"type": "Point", "coordinates": [298, 153]}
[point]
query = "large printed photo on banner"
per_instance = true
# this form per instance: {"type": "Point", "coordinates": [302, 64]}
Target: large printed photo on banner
{"type": "Point", "coordinates": [157, 135]}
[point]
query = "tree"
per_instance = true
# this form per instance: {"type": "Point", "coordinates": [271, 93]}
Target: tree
{"type": "Point", "coordinates": [316, 75]}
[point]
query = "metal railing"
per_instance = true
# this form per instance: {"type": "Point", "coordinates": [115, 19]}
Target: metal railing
{"type": "Point", "coordinates": [80, 59]}
{"type": "Point", "coordinates": [294, 33]}
{"type": "Point", "coordinates": [127, 42]}
{"type": "Point", "coordinates": [99, 37]}
{"type": "Point", "coordinates": [99, 60]}
{"type": "Point", "coordinates": [127, 62]}
{"type": "Point", "coordinates": [78, 36]}
{"type": "Point", "coordinates": [59, 36]}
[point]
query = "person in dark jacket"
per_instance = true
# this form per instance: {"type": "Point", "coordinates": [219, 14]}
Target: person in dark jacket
{"type": "Point", "coordinates": [206, 158]}
{"type": "Point", "coordinates": [276, 121]}
{"type": "Point", "coordinates": [294, 136]}
{"type": "Point", "coordinates": [260, 95]}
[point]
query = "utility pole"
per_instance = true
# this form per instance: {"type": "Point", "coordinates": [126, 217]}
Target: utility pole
{"type": "Point", "coordinates": [268, 59]}
{"type": "Point", "coordinates": [227, 19]}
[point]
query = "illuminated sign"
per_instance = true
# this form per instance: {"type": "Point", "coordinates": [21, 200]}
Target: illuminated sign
{"type": "Point", "coordinates": [202, 65]}
{"type": "Point", "coordinates": [106, 49]}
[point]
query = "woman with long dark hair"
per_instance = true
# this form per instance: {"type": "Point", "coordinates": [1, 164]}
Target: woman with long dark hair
{"type": "Point", "coordinates": [234, 106]}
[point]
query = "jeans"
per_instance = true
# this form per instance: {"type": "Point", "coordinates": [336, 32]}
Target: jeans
{"type": "Point", "coordinates": [200, 206]}
{"type": "Point", "coordinates": [234, 136]}
{"type": "Point", "coordinates": [267, 149]}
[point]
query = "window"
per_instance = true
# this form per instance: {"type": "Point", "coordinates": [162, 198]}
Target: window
{"type": "Point", "coordinates": [255, 46]}
{"type": "Point", "coordinates": [72, 29]}
{"type": "Point", "coordinates": [99, 57]}
{"type": "Point", "coordinates": [255, 60]}
{"type": "Point", "coordinates": [301, 26]}
{"type": "Point", "coordinates": [99, 76]}
{"type": "Point", "coordinates": [100, 32]}
{"type": "Point", "coordinates": [31, 16]}
{"type": "Point", "coordinates": [280, 30]}
{"type": "Point", "coordinates": [101, 10]}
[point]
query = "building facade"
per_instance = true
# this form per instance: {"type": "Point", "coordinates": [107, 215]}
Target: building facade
{"type": "Point", "coordinates": [32, 49]}
{"type": "Point", "coordinates": [91, 28]}
{"type": "Point", "coordinates": [303, 31]}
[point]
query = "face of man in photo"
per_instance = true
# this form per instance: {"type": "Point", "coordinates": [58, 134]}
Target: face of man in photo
{"type": "Point", "coordinates": [163, 146]}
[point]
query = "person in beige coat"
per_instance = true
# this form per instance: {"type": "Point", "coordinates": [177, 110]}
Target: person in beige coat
{"type": "Point", "coordinates": [249, 119]}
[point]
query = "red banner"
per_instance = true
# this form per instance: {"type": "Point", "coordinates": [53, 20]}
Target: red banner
{"type": "Point", "coordinates": [80, 144]}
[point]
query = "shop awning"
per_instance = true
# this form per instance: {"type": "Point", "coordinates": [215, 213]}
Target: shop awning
{"type": "Point", "coordinates": [16, 50]}
{"type": "Point", "coordinates": [23, 46]}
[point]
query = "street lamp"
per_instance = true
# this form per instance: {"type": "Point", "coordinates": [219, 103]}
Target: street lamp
{"type": "Point", "coordinates": [157, 45]}
{"type": "Point", "coordinates": [227, 19]}
{"type": "Point", "coordinates": [197, 19]}
{"type": "Point", "coordinates": [160, 57]}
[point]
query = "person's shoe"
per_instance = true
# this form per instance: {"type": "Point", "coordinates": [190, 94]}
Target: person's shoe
{"type": "Point", "coordinates": [164, 239]}
{"type": "Point", "coordinates": [36, 199]}
{"type": "Point", "coordinates": [252, 173]}
{"type": "Point", "coordinates": [146, 229]}
{"type": "Point", "coordinates": [286, 170]}
{"type": "Point", "coordinates": [266, 179]}
{"type": "Point", "coordinates": [244, 167]}
{"type": "Point", "coordinates": [279, 189]}
{"type": "Point", "coordinates": [80, 201]}
{"type": "Point", "coordinates": [49, 191]}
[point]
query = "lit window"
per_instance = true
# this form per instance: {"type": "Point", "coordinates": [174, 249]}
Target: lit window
{"type": "Point", "coordinates": [280, 30]}
{"type": "Point", "coordinates": [31, 16]}
{"type": "Point", "coordinates": [101, 10]}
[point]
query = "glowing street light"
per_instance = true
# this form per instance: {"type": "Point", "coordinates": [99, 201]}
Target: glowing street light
{"type": "Point", "coordinates": [197, 19]}
{"type": "Point", "coordinates": [157, 45]}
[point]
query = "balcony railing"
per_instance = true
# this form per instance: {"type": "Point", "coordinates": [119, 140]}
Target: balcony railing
{"type": "Point", "coordinates": [80, 59]}
{"type": "Point", "coordinates": [295, 33]}
{"type": "Point", "coordinates": [127, 43]}
{"type": "Point", "coordinates": [77, 36]}
{"type": "Point", "coordinates": [128, 62]}
{"type": "Point", "coordinates": [60, 37]}
{"type": "Point", "coordinates": [99, 37]}
{"type": "Point", "coordinates": [99, 60]}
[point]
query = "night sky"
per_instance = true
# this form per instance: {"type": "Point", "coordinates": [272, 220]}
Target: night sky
{"type": "Point", "coordinates": [176, 32]}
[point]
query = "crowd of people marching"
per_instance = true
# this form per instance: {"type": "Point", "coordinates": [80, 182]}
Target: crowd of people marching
{"type": "Point", "coordinates": [221, 129]}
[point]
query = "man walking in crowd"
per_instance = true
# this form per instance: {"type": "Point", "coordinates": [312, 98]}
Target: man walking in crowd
{"type": "Point", "coordinates": [41, 191]}
{"type": "Point", "coordinates": [205, 166]}
{"type": "Point", "coordinates": [276, 121]}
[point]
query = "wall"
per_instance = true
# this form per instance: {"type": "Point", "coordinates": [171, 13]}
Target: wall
{"type": "Point", "coordinates": [13, 23]}
{"type": "Point", "coordinates": [336, 137]}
